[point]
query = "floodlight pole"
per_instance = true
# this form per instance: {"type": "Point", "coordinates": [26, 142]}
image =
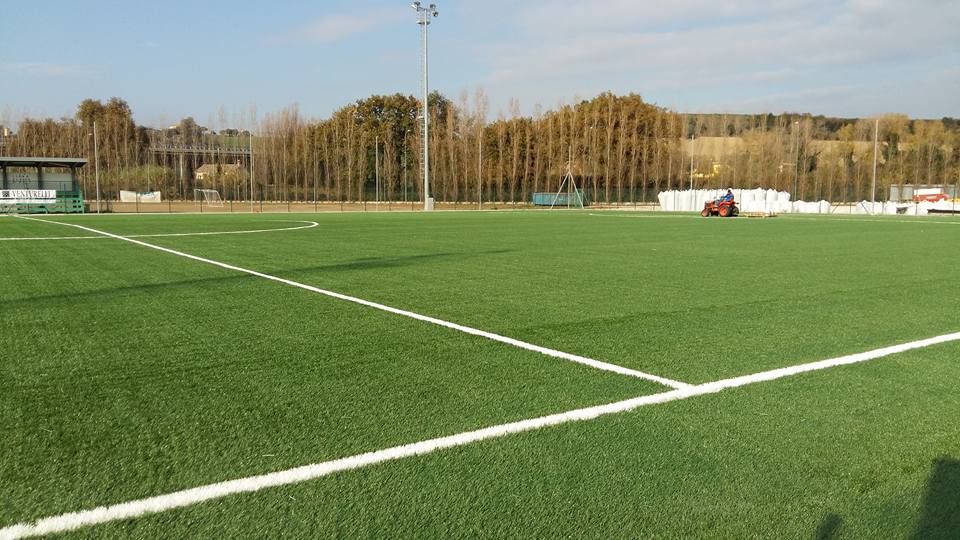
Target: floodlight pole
{"type": "Point", "coordinates": [424, 16]}
{"type": "Point", "coordinates": [96, 163]}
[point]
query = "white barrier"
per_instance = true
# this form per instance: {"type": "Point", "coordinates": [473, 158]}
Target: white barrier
{"type": "Point", "coordinates": [143, 196]}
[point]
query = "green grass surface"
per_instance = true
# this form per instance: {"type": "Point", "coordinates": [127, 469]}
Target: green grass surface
{"type": "Point", "coordinates": [645, 292]}
{"type": "Point", "coordinates": [128, 372]}
{"type": "Point", "coordinates": [847, 453]}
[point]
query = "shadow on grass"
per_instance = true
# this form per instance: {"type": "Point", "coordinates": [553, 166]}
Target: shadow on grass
{"type": "Point", "coordinates": [940, 513]}
{"type": "Point", "coordinates": [372, 263]}
{"type": "Point", "coordinates": [829, 527]}
{"type": "Point", "coordinates": [367, 263]}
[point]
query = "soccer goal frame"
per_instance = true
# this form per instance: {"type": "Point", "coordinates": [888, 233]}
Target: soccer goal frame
{"type": "Point", "coordinates": [573, 198]}
{"type": "Point", "coordinates": [209, 196]}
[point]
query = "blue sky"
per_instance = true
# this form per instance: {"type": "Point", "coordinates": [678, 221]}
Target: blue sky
{"type": "Point", "coordinates": [220, 61]}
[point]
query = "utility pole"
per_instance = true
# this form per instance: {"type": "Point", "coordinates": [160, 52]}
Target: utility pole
{"type": "Point", "coordinates": [424, 16]}
{"type": "Point", "coordinates": [480, 170]}
{"type": "Point", "coordinates": [796, 162]}
{"type": "Point", "coordinates": [876, 135]}
{"type": "Point", "coordinates": [405, 165]}
{"type": "Point", "coordinates": [252, 172]}
{"type": "Point", "coordinates": [96, 162]}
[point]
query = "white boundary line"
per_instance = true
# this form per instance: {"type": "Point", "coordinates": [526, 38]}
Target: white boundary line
{"type": "Point", "coordinates": [189, 497]}
{"type": "Point", "coordinates": [310, 225]}
{"type": "Point", "coordinates": [918, 220]}
{"type": "Point", "coordinates": [645, 215]}
{"type": "Point", "coordinates": [439, 322]}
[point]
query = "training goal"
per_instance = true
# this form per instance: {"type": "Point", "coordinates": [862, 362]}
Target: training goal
{"type": "Point", "coordinates": [210, 197]}
{"type": "Point", "coordinates": [567, 196]}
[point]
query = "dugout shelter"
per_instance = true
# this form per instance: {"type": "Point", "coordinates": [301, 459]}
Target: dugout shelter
{"type": "Point", "coordinates": [40, 185]}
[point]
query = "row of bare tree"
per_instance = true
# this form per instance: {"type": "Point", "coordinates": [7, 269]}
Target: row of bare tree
{"type": "Point", "coordinates": [619, 149]}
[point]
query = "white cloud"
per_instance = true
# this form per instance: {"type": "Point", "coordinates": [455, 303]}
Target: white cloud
{"type": "Point", "coordinates": [334, 28]}
{"type": "Point", "coordinates": [748, 46]}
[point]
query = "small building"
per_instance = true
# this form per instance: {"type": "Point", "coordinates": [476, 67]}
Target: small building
{"type": "Point", "coordinates": [218, 172]}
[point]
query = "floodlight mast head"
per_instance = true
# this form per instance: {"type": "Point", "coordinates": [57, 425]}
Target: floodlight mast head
{"type": "Point", "coordinates": [424, 14]}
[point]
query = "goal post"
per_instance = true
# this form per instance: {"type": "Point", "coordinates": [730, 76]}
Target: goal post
{"type": "Point", "coordinates": [209, 196]}
{"type": "Point", "coordinates": [568, 195]}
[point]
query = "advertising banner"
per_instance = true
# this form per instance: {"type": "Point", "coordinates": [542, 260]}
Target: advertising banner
{"type": "Point", "coordinates": [28, 196]}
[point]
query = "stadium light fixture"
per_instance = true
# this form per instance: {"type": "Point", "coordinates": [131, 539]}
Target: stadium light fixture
{"type": "Point", "coordinates": [424, 17]}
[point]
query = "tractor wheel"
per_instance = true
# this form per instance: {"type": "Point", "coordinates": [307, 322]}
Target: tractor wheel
{"type": "Point", "coordinates": [705, 213]}
{"type": "Point", "coordinates": [724, 211]}
{"type": "Point", "coordinates": [736, 212]}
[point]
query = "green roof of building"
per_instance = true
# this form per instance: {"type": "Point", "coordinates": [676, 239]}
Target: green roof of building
{"type": "Point", "coordinates": [67, 163]}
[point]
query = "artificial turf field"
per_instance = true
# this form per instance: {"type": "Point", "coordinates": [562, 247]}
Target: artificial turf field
{"type": "Point", "coordinates": [130, 372]}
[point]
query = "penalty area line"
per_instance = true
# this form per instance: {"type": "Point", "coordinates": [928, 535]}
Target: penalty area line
{"type": "Point", "coordinates": [189, 497]}
{"type": "Point", "coordinates": [309, 225]}
{"type": "Point", "coordinates": [597, 364]}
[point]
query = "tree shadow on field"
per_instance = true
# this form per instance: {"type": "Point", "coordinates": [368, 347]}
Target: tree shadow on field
{"type": "Point", "coordinates": [361, 264]}
{"type": "Point", "coordinates": [940, 512]}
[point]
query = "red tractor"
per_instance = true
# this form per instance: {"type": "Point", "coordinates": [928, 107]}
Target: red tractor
{"type": "Point", "coordinates": [720, 208]}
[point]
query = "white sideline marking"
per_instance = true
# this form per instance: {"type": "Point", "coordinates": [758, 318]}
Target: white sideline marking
{"type": "Point", "coordinates": [642, 215]}
{"type": "Point", "coordinates": [920, 221]}
{"type": "Point", "coordinates": [309, 225]}
{"type": "Point", "coordinates": [798, 217]}
{"type": "Point", "coordinates": [465, 329]}
{"type": "Point", "coordinates": [189, 497]}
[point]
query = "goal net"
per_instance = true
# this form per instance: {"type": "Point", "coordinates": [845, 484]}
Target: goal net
{"type": "Point", "coordinates": [210, 197]}
{"type": "Point", "coordinates": [569, 195]}
{"type": "Point", "coordinates": [566, 198]}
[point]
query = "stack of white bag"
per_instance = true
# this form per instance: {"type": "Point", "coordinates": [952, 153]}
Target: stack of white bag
{"type": "Point", "coordinates": [778, 202]}
{"type": "Point", "coordinates": [924, 208]}
{"type": "Point", "coordinates": [749, 200]}
{"type": "Point", "coordinates": [909, 209]}
{"type": "Point", "coordinates": [803, 207]}
{"type": "Point", "coordinates": [874, 208]}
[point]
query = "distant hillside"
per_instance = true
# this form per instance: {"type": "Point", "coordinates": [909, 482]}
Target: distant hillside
{"type": "Point", "coordinates": [822, 127]}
